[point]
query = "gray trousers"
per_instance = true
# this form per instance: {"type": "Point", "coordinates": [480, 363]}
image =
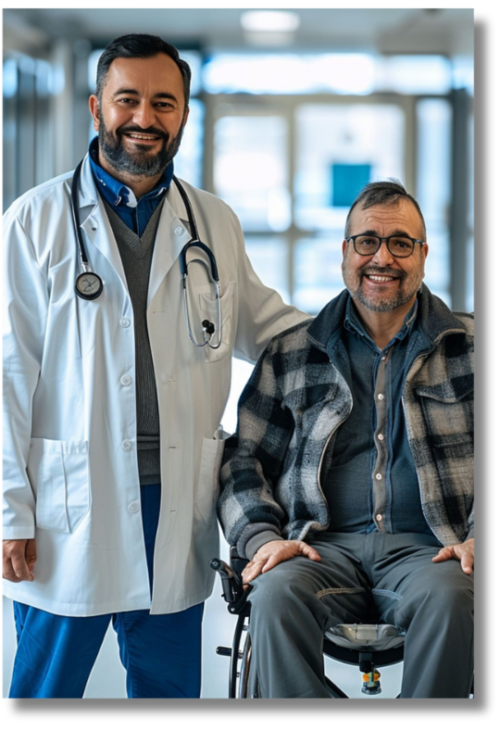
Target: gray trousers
{"type": "Point", "coordinates": [389, 574]}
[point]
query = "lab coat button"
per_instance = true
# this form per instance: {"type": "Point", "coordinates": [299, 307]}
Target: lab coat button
{"type": "Point", "coordinates": [127, 445]}
{"type": "Point", "coordinates": [178, 230]}
{"type": "Point", "coordinates": [125, 322]}
{"type": "Point", "coordinates": [133, 508]}
{"type": "Point", "coordinates": [126, 380]}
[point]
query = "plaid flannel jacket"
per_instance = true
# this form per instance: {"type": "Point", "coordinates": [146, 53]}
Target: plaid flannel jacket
{"type": "Point", "coordinates": [296, 399]}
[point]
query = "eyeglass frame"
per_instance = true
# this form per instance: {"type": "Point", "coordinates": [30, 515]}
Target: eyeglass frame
{"type": "Point", "coordinates": [381, 239]}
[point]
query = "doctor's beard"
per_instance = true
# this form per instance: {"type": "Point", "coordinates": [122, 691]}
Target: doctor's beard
{"type": "Point", "coordinates": [143, 162]}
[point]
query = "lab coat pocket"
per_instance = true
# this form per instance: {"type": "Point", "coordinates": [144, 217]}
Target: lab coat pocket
{"type": "Point", "coordinates": [209, 311]}
{"type": "Point", "coordinates": [208, 480]}
{"type": "Point", "coordinates": [58, 472]}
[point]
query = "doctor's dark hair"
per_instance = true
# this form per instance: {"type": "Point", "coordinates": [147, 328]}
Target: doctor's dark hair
{"type": "Point", "coordinates": [383, 193]}
{"type": "Point", "coordinates": [139, 45]}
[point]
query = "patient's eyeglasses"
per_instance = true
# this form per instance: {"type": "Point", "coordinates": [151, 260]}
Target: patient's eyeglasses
{"type": "Point", "coordinates": [399, 246]}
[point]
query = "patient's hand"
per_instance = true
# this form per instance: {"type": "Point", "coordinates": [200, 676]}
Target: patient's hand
{"type": "Point", "coordinates": [271, 554]}
{"type": "Point", "coordinates": [463, 552]}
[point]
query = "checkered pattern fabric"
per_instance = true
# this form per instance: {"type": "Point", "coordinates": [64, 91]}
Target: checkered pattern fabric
{"type": "Point", "coordinates": [295, 400]}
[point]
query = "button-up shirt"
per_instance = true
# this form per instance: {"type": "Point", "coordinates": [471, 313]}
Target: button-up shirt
{"type": "Point", "coordinates": [370, 481]}
{"type": "Point", "coordinates": [134, 213]}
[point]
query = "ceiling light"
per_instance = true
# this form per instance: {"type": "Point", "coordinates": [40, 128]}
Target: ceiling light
{"type": "Point", "coordinates": [270, 20]}
{"type": "Point", "coordinates": [269, 38]}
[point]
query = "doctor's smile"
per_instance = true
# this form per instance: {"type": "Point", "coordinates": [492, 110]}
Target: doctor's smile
{"type": "Point", "coordinates": [143, 135]}
{"type": "Point", "coordinates": [143, 138]}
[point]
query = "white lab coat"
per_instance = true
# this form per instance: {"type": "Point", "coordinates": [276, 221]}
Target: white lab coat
{"type": "Point", "coordinates": [70, 473]}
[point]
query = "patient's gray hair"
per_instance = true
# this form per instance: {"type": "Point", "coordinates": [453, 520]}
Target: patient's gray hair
{"type": "Point", "coordinates": [384, 193]}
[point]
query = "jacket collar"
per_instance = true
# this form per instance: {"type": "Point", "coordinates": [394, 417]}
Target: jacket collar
{"type": "Point", "coordinates": [175, 200]}
{"type": "Point", "coordinates": [329, 321]}
{"type": "Point", "coordinates": [435, 318]}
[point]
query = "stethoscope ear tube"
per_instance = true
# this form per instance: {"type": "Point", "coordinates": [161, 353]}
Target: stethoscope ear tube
{"type": "Point", "coordinates": [207, 326]}
{"type": "Point", "coordinates": [208, 252]}
{"type": "Point", "coordinates": [74, 209]}
{"type": "Point", "coordinates": [88, 284]}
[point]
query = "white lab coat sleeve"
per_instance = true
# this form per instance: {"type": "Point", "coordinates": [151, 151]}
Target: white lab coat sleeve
{"type": "Point", "coordinates": [24, 319]}
{"type": "Point", "coordinates": [262, 314]}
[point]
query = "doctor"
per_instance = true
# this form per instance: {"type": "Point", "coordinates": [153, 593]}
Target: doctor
{"type": "Point", "coordinates": [112, 441]}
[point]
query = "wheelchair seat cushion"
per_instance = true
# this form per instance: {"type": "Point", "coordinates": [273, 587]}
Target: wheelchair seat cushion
{"type": "Point", "coordinates": [369, 637]}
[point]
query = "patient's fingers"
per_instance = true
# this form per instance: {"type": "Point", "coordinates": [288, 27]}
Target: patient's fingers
{"type": "Point", "coordinates": [463, 552]}
{"type": "Point", "coordinates": [288, 551]}
{"type": "Point", "coordinates": [275, 552]}
{"type": "Point", "coordinates": [309, 551]}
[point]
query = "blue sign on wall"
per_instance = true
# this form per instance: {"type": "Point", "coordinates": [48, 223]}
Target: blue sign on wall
{"type": "Point", "coordinates": [348, 180]}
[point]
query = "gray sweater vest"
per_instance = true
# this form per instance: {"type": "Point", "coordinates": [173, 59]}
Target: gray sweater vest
{"type": "Point", "coordinates": [136, 254]}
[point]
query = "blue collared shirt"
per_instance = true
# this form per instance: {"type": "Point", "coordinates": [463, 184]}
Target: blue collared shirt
{"type": "Point", "coordinates": [134, 213]}
{"type": "Point", "coordinates": [359, 480]}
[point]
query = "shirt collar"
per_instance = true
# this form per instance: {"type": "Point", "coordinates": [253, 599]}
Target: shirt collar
{"type": "Point", "coordinates": [352, 322]}
{"type": "Point", "coordinates": [116, 193]}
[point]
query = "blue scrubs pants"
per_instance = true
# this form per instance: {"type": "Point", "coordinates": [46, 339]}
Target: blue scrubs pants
{"type": "Point", "coordinates": [160, 652]}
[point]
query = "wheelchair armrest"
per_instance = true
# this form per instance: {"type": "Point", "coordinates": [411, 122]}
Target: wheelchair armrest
{"type": "Point", "coordinates": [238, 563]}
{"type": "Point", "coordinates": [232, 586]}
{"type": "Point", "coordinates": [231, 582]}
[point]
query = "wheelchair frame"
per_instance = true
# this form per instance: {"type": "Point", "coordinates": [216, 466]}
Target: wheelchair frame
{"type": "Point", "coordinates": [367, 657]}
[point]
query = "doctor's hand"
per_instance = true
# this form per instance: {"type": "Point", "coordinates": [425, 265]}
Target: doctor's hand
{"type": "Point", "coordinates": [271, 554]}
{"type": "Point", "coordinates": [19, 558]}
{"type": "Point", "coordinates": [463, 552]}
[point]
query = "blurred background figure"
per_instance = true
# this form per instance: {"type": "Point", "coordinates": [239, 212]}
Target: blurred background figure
{"type": "Point", "coordinates": [292, 113]}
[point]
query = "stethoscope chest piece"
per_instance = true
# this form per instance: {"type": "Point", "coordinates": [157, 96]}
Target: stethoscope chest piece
{"type": "Point", "coordinates": [88, 285]}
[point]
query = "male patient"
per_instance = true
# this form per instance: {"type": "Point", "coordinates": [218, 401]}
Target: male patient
{"type": "Point", "coordinates": [349, 483]}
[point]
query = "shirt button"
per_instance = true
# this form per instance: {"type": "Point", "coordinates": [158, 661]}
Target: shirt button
{"type": "Point", "coordinates": [178, 230]}
{"type": "Point", "coordinates": [127, 445]}
{"type": "Point", "coordinates": [125, 322]}
{"type": "Point", "coordinates": [378, 476]}
{"type": "Point", "coordinates": [133, 508]}
{"type": "Point", "coordinates": [379, 517]}
{"type": "Point", "coordinates": [380, 396]}
{"type": "Point", "coordinates": [380, 437]}
{"type": "Point", "coordinates": [126, 380]}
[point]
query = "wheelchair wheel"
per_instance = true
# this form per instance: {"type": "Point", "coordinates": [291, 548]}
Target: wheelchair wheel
{"type": "Point", "coordinates": [244, 689]}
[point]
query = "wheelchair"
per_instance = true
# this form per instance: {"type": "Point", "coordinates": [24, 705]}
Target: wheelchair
{"type": "Point", "coordinates": [369, 646]}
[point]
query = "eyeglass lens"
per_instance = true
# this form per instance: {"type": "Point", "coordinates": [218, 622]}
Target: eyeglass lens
{"type": "Point", "coordinates": [399, 246]}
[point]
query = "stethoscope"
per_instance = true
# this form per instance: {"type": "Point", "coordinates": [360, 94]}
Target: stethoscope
{"type": "Point", "coordinates": [89, 285]}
